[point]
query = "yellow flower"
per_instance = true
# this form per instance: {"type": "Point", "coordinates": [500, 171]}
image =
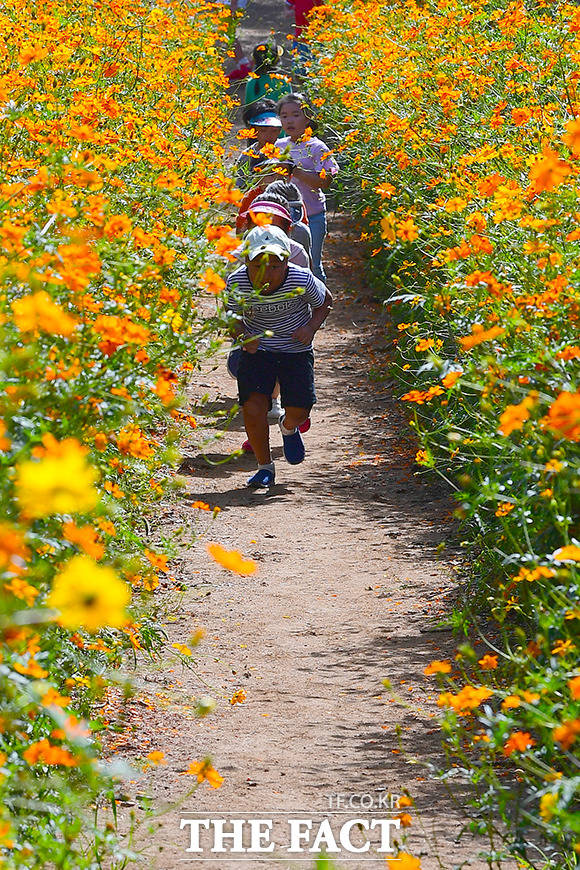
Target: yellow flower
{"type": "Point", "coordinates": [232, 560]}
{"type": "Point", "coordinates": [88, 595]}
{"type": "Point", "coordinates": [156, 757]}
{"type": "Point", "coordinates": [404, 861]}
{"type": "Point", "coordinates": [238, 697]}
{"type": "Point", "coordinates": [547, 805]}
{"type": "Point", "coordinates": [388, 231]}
{"type": "Point", "coordinates": [62, 482]}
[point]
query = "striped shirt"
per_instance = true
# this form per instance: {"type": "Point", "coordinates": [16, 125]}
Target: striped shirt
{"type": "Point", "coordinates": [281, 312]}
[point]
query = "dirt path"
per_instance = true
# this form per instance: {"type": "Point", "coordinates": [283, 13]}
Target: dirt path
{"type": "Point", "coordinates": [349, 590]}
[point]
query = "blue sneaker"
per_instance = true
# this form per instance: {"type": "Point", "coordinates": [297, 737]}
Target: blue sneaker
{"type": "Point", "coordinates": [294, 448]}
{"type": "Point", "coordinates": [262, 479]}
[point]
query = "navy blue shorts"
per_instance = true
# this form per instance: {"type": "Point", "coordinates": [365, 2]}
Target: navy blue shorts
{"type": "Point", "coordinates": [258, 373]}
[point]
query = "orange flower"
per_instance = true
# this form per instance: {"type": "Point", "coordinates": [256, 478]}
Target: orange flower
{"type": "Point", "coordinates": [570, 553]}
{"type": "Point", "coordinates": [572, 136]}
{"type": "Point", "coordinates": [232, 560]}
{"type": "Point", "coordinates": [407, 230]}
{"type": "Point", "coordinates": [465, 700]}
{"type": "Point", "coordinates": [385, 190]}
{"type": "Point", "coordinates": [86, 538]}
{"type": "Point", "coordinates": [564, 416]}
{"type": "Point", "coordinates": [158, 560]}
{"type": "Point", "coordinates": [212, 282]}
{"type": "Point", "coordinates": [511, 702]}
{"type": "Point", "coordinates": [117, 225]}
{"type": "Point", "coordinates": [238, 697]}
{"type": "Point", "coordinates": [504, 509]}
{"type": "Point", "coordinates": [422, 396]}
{"type": "Point", "coordinates": [156, 757]}
{"type": "Point", "coordinates": [204, 771]}
{"type": "Point", "coordinates": [13, 550]}
{"type": "Point", "coordinates": [479, 335]}
{"type": "Point", "coordinates": [548, 172]}
{"type": "Point", "coordinates": [43, 752]}
{"type": "Point", "coordinates": [488, 662]}
{"type": "Point", "coordinates": [451, 378]}
{"type": "Point", "coordinates": [515, 416]}
{"type": "Point", "coordinates": [519, 741]}
{"type": "Point", "coordinates": [438, 667]}
{"type": "Point", "coordinates": [521, 116]}
{"type": "Point", "coordinates": [53, 699]}
{"type": "Point", "coordinates": [574, 686]}
{"type": "Point", "coordinates": [424, 344]}
{"type": "Point", "coordinates": [37, 312]}
{"type": "Point", "coordinates": [404, 861]}
{"type": "Point", "coordinates": [566, 733]}
{"type": "Point", "coordinates": [132, 442]}
{"type": "Point", "coordinates": [23, 590]}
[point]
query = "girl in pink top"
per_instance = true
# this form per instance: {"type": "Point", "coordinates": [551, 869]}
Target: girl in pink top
{"type": "Point", "coordinates": [311, 167]}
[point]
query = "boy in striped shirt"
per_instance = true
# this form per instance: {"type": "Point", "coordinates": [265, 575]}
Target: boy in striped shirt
{"type": "Point", "coordinates": [278, 309]}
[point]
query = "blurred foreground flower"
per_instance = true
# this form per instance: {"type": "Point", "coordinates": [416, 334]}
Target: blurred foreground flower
{"type": "Point", "coordinates": [232, 560]}
{"type": "Point", "coordinates": [89, 596]}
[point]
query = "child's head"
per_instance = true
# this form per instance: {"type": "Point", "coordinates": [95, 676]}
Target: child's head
{"type": "Point", "coordinates": [292, 196]}
{"type": "Point", "coordinates": [259, 107]}
{"type": "Point", "coordinates": [267, 251]}
{"type": "Point", "coordinates": [266, 56]}
{"type": "Point", "coordinates": [264, 121]}
{"type": "Point", "coordinates": [274, 207]}
{"type": "Point", "coordinates": [296, 114]}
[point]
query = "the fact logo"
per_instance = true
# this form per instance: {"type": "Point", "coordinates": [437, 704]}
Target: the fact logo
{"type": "Point", "coordinates": [334, 833]}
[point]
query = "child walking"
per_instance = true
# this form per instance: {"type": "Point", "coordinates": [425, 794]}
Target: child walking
{"type": "Point", "coordinates": [311, 167]}
{"type": "Point", "coordinates": [266, 80]}
{"type": "Point", "coordinates": [278, 308]}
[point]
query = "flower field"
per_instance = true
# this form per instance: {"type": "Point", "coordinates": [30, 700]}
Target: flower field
{"type": "Point", "coordinates": [113, 118]}
{"type": "Point", "coordinates": [458, 126]}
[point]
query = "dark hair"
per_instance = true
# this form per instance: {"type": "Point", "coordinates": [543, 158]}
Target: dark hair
{"type": "Point", "coordinates": [266, 56]}
{"type": "Point", "coordinates": [275, 200]}
{"type": "Point", "coordinates": [258, 108]}
{"type": "Point", "coordinates": [286, 189]}
{"type": "Point", "coordinates": [302, 101]}
{"type": "Point", "coordinates": [290, 192]}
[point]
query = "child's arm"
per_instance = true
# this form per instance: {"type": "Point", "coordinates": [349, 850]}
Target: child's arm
{"type": "Point", "coordinates": [313, 179]}
{"type": "Point", "coordinates": [305, 334]}
{"type": "Point", "coordinates": [250, 343]}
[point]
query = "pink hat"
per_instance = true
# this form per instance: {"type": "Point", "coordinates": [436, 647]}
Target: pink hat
{"type": "Point", "coordinates": [261, 207]}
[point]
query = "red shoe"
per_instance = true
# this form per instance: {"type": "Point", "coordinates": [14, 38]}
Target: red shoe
{"type": "Point", "coordinates": [247, 447]}
{"type": "Point", "coordinates": [304, 427]}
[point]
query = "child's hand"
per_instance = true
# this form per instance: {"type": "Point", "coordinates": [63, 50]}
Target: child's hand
{"type": "Point", "coordinates": [252, 345]}
{"type": "Point", "coordinates": [304, 334]}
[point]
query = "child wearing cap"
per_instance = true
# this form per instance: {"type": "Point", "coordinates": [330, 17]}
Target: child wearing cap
{"type": "Point", "coordinates": [278, 308]}
{"type": "Point", "coordinates": [266, 127]}
{"type": "Point", "coordinates": [274, 208]}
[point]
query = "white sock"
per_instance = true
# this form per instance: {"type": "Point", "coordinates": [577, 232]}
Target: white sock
{"type": "Point", "coordinates": [283, 428]}
{"type": "Point", "coordinates": [269, 466]}
{"type": "Point", "coordinates": [276, 403]}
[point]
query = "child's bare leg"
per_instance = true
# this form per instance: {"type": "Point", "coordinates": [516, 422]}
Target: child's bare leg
{"type": "Point", "coordinates": [255, 412]}
{"type": "Point", "coordinates": [276, 391]}
{"type": "Point", "coordinates": [293, 417]}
